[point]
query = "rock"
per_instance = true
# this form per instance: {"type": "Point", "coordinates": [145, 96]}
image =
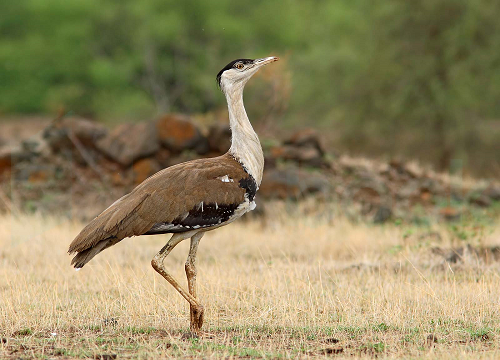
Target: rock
{"type": "Point", "coordinates": [280, 184]}
{"type": "Point", "coordinates": [480, 200]}
{"type": "Point", "coordinates": [433, 186]}
{"type": "Point", "coordinates": [119, 178]}
{"type": "Point", "coordinates": [450, 213]}
{"type": "Point", "coordinates": [117, 175]}
{"type": "Point", "coordinates": [75, 139]}
{"type": "Point", "coordinates": [31, 145]}
{"type": "Point", "coordinates": [382, 215]}
{"type": "Point", "coordinates": [219, 138]}
{"type": "Point", "coordinates": [409, 190]}
{"type": "Point", "coordinates": [143, 169]}
{"type": "Point", "coordinates": [177, 133]}
{"type": "Point", "coordinates": [130, 142]}
{"type": "Point", "coordinates": [492, 192]}
{"type": "Point", "coordinates": [86, 131]}
{"type": "Point", "coordinates": [456, 195]}
{"type": "Point", "coordinates": [368, 188]}
{"type": "Point", "coordinates": [306, 138]}
{"type": "Point", "coordinates": [5, 160]}
{"type": "Point", "coordinates": [270, 162]}
{"type": "Point", "coordinates": [308, 156]}
{"type": "Point", "coordinates": [12, 155]}
{"type": "Point", "coordinates": [401, 170]}
{"type": "Point", "coordinates": [203, 147]}
{"type": "Point", "coordinates": [304, 148]}
{"type": "Point", "coordinates": [292, 183]}
{"type": "Point", "coordinates": [164, 157]}
{"type": "Point", "coordinates": [35, 173]}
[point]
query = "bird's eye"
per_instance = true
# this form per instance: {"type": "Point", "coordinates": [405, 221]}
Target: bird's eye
{"type": "Point", "coordinates": [239, 66]}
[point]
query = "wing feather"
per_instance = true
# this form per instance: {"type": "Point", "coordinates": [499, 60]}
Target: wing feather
{"type": "Point", "coordinates": [162, 198]}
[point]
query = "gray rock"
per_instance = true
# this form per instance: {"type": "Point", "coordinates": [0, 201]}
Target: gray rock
{"type": "Point", "coordinates": [480, 200]}
{"type": "Point", "coordinates": [382, 215]}
{"type": "Point", "coordinates": [12, 155]}
{"type": "Point", "coordinates": [308, 156]}
{"type": "Point", "coordinates": [368, 188]}
{"type": "Point", "coordinates": [86, 131]}
{"type": "Point", "coordinates": [35, 173]}
{"type": "Point", "coordinates": [306, 138]}
{"type": "Point", "coordinates": [492, 192]}
{"type": "Point", "coordinates": [130, 142]}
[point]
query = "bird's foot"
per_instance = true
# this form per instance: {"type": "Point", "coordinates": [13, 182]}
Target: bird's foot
{"type": "Point", "coordinates": [196, 319]}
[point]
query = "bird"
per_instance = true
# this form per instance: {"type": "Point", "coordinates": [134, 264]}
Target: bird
{"type": "Point", "coordinates": [188, 199]}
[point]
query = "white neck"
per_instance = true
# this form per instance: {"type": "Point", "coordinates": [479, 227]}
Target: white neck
{"type": "Point", "coordinates": [245, 144]}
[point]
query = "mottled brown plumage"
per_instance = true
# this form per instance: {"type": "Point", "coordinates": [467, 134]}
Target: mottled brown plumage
{"type": "Point", "coordinates": [162, 198]}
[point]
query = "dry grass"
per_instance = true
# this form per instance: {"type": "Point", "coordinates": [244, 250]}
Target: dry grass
{"type": "Point", "coordinates": [291, 289]}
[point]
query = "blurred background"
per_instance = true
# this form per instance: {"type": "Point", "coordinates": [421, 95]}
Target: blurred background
{"type": "Point", "coordinates": [95, 96]}
{"type": "Point", "coordinates": [393, 80]}
{"type": "Point", "coordinates": [376, 232]}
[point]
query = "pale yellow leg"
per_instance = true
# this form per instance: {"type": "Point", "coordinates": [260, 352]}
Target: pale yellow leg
{"type": "Point", "coordinates": [195, 316]}
{"type": "Point", "coordinates": [158, 265]}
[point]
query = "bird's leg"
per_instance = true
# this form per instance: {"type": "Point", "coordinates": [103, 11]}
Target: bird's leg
{"type": "Point", "coordinates": [196, 317]}
{"type": "Point", "coordinates": [158, 265]}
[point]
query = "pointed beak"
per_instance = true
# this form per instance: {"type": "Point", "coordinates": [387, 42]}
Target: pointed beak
{"type": "Point", "coordinates": [265, 61]}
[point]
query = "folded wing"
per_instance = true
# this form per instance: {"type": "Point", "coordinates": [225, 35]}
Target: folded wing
{"type": "Point", "coordinates": [195, 195]}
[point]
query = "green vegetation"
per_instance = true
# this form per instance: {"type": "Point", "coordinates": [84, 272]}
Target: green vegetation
{"type": "Point", "coordinates": [419, 78]}
{"type": "Point", "coordinates": [24, 332]}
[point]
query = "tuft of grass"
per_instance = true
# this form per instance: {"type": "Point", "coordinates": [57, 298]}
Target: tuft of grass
{"type": "Point", "coordinates": [140, 330]}
{"type": "Point", "coordinates": [24, 332]}
{"type": "Point", "coordinates": [380, 327]}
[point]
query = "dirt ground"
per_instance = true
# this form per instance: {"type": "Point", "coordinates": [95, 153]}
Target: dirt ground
{"type": "Point", "coordinates": [296, 288]}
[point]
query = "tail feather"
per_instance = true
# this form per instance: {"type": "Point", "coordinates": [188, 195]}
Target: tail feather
{"type": "Point", "coordinates": [122, 219]}
{"type": "Point", "coordinates": [119, 220]}
{"type": "Point", "coordinates": [85, 256]}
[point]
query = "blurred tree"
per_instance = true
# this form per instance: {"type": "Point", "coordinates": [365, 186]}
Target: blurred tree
{"type": "Point", "coordinates": [429, 71]}
{"type": "Point", "coordinates": [128, 58]}
{"type": "Point", "coordinates": [396, 77]}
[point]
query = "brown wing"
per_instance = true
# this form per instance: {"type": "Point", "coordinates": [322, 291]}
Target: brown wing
{"type": "Point", "coordinates": [169, 195]}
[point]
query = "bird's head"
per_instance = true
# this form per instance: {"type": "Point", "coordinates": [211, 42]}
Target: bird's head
{"type": "Point", "coordinates": [238, 72]}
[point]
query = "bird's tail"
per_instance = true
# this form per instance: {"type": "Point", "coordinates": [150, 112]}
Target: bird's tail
{"type": "Point", "coordinates": [85, 256]}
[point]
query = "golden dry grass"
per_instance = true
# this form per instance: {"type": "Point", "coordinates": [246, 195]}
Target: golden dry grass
{"type": "Point", "coordinates": [290, 289]}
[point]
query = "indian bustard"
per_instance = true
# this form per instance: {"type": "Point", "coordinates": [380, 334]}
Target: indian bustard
{"type": "Point", "coordinates": [188, 199]}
